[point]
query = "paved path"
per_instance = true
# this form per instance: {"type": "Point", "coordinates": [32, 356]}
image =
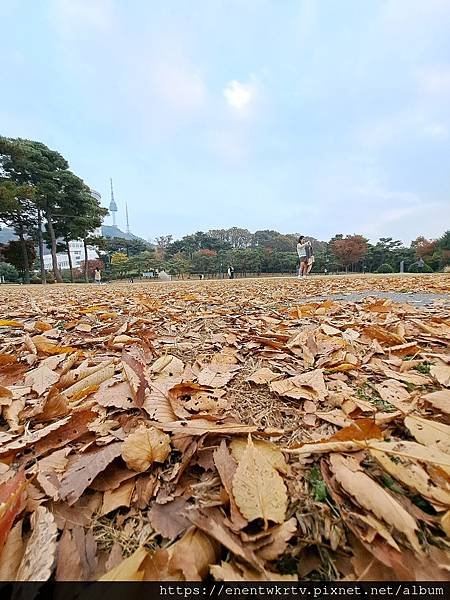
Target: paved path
{"type": "Point", "coordinates": [424, 299]}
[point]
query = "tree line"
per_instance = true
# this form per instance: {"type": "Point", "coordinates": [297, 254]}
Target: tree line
{"type": "Point", "coordinates": [44, 203]}
{"type": "Point", "coordinates": [269, 251]}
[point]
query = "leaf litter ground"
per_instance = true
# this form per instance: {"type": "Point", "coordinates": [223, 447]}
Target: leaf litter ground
{"type": "Point", "coordinates": [242, 430]}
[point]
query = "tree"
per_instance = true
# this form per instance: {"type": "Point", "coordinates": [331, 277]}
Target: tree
{"type": "Point", "coordinates": [92, 264]}
{"type": "Point", "coordinates": [8, 272]}
{"type": "Point", "coordinates": [129, 247]}
{"type": "Point", "coordinates": [16, 210]}
{"type": "Point", "coordinates": [13, 254]}
{"type": "Point", "coordinates": [162, 243]}
{"type": "Point", "coordinates": [349, 250]}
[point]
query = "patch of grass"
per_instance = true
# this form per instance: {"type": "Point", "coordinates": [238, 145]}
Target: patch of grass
{"type": "Point", "coordinates": [368, 394]}
{"type": "Point", "coordinates": [319, 489]}
{"type": "Point", "coordinates": [424, 368]}
{"type": "Point", "coordinates": [391, 484]}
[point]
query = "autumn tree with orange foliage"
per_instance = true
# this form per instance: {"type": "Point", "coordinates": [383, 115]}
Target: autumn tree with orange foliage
{"type": "Point", "coordinates": [349, 250]}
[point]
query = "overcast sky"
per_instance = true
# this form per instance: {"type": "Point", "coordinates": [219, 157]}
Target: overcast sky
{"type": "Point", "coordinates": [319, 117]}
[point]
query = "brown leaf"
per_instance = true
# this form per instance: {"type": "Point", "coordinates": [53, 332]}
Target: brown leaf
{"type": "Point", "coordinates": [50, 470]}
{"type": "Point", "coordinates": [41, 379]}
{"type": "Point", "coordinates": [280, 536]}
{"type": "Point", "coordinates": [429, 433]}
{"type": "Point", "coordinates": [39, 556]}
{"type": "Point", "coordinates": [259, 491]}
{"type": "Point", "coordinates": [12, 553]}
{"type": "Point", "coordinates": [83, 469]}
{"type": "Point", "coordinates": [307, 386]}
{"type": "Point", "coordinates": [211, 521]}
{"type": "Point", "coordinates": [134, 364]}
{"type": "Point", "coordinates": [361, 429]}
{"type": "Point", "coordinates": [12, 502]}
{"type": "Point", "coordinates": [168, 519]}
{"type": "Point", "coordinates": [264, 375]}
{"type": "Point", "coordinates": [226, 467]}
{"type": "Point", "coordinates": [441, 373]}
{"type": "Point", "coordinates": [129, 569]}
{"type": "Point", "coordinates": [68, 567]}
{"type": "Point", "coordinates": [439, 400]}
{"type": "Point", "coordinates": [121, 496]}
{"type": "Point", "coordinates": [145, 446]}
{"type": "Point", "coordinates": [271, 453]}
{"type": "Point", "coordinates": [368, 494]}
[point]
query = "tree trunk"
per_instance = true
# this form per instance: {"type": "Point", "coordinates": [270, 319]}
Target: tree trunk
{"type": "Point", "coordinates": [26, 263]}
{"type": "Point", "coordinates": [70, 260]}
{"type": "Point", "coordinates": [86, 275]}
{"type": "Point", "coordinates": [51, 232]}
{"type": "Point", "coordinates": [41, 247]}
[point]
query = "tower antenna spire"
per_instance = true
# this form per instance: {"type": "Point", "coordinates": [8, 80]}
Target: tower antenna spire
{"type": "Point", "coordinates": [126, 212]}
{"type": "Point", "coordinates": [112, 204]}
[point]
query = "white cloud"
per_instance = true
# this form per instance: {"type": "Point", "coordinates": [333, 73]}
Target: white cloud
{"type": "Point", "coordinates": [240, 96]}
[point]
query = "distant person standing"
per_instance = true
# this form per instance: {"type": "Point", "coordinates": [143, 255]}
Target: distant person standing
{"type": "Point", "coordinates": [420, 264]}
{"type": "Point", "coordinates": [97, 276]}
{"type": "Point", "coordinates": [302, 251]}
{"type": "Point", "coordinates": [230, 272]}
{"type": "Point", "coordinates": [311, 259]}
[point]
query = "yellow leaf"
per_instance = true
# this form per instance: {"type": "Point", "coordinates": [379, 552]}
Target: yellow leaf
{"type": "Point", "coordinates": [8, 323]}
{"type": "Point", "coordinates": [44, 345]}
{"type": "Point", "coordinates": [128, 569]}
{"type": "Point", "coordinates": [272, 453]}
{"type": "Point", "coordinates": [258, 489]}
{"type": "Point", "coordinates": [145, 446]}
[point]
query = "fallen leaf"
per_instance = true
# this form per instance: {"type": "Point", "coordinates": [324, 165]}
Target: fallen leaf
{"type": "Point", "coordinates": [307, 386]}
{"type": "Point", "coordinates": [44, 345]}
{"type": "Point", "coordinates": [168, 519]}
{"type": "Point", "coordinates": [258, 489]}
{"type": "Point", "coordinates": [145, 446]}
{"type": "Point", "coordinates": [441, 373]}
{"type": "Point", "coordinates": [264, 375]}
{"type": "Point", "coordinates": [129, 569]}
{"type": "Point", "coordinates": [40, 552]}
{"type": "Point", "coordinates": [41, 379]}
{"type": "Point", "coordinates": [368, 494]}
{"type": "Point", "coordinates": [12, 501]}
{"type": "Point", "coordinates": [83, 469]}
{"type": "Point", "coordinates": [429, 433]}
{"type": "Point", "coordinates": [12, 553]}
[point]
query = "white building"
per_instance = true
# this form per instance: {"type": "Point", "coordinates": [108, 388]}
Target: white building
{"type": "Point", "coordinates": [76, 249]}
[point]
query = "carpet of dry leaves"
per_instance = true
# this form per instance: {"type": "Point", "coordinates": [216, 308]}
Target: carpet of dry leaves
{"type": "Point", "coordinates": [225, 430]}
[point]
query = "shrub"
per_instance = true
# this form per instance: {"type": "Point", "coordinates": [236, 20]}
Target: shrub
{"type": "Point", "coordinates": [414, 268]}
{"type": "Point", "coordinates": [9, 272]}
{"type": "Point", "coordinates": [385, 268]}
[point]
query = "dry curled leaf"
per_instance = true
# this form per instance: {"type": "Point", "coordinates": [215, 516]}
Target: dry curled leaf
{"type": "Point", "coordinates": [144, 447]}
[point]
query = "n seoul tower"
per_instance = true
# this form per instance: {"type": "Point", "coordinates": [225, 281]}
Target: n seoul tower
{"type": "Point", "coordinates": [113, 205]}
